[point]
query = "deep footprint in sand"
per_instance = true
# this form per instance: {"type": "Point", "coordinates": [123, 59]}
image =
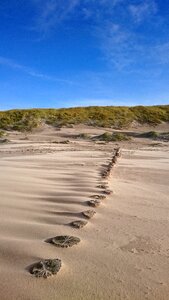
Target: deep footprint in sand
{"type": "Point", "coordinates": [114, 160]}
{"type": "Point", "coordinates": [46, 268]}
{"type": "Point", "coordinates": [106, 174]}
{"type": "Point", "coordinates": [102, 186]}
{"type": "Point", "coordinates": [108, 192]}
{"type": "Point", "coordinates": [94, 203]}
{"type": "Point", "coordinates": [64, 241]}
{"type": "Point", "coordinates": [98, 197]}
{"type": "Point", "coordinates": [88, 213]}
{"type": "Point", "coordinates": [118, 152]}
{"type": "Point", "coordinates": [78, 224]}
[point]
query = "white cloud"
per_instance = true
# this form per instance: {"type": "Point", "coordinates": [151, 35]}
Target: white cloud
{"type": "Point", "coordinates": [31, 72]}
{"type": "Point", "coordinates": [124, 46]}
{"type": "Point", "coordinates": [114, 25]}
{"type": "Point", "coordinates": [127, 51]}
{"type": "Point", "coordinates": [119, 45]}
{"type": "Point", "coordinates": [143, 10]}
{"type": "Point", "coordinates": [49, 13]}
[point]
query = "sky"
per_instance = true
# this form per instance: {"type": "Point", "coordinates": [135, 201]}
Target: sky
{"type": "Point", "coordinates": [65, 53]}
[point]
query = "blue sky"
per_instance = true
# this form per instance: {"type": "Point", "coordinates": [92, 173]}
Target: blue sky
{"type": "Point", "coordinates": [62, 53]}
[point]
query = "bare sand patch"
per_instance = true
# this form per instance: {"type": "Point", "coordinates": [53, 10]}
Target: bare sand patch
{"type": "Point", "coordinates": [123, 251]}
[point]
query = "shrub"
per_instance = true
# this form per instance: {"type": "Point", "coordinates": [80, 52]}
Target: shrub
{"type": "Point", "coordinates": [120, 137]}
{"type": "Point", "coordinates": [150, 135]}
{"type": "Point", "coordinates": [164, 136]}
{"type": "Point", "coordinates": [4, 141]}
{"type": "Point", "coordinates": [116, 117]}
{"type": "Point", "coordinates": [109, 137]}
{"type": "Point", "coordinates": [84, 136]}
{"type": "Point", "coordinates": [2, 133]}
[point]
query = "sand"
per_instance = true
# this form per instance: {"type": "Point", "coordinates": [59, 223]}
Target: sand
{"type": "Point", "coordinates": [124, 248]}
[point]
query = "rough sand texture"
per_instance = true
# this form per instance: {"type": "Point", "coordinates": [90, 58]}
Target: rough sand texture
{"type": "Point", "coordinates": [124, 249]}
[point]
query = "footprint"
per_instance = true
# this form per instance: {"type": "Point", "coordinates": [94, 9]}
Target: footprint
{"type": "Point", "coordinates": [64, 241]}
{"type": "Point", "coordinates": [46, 268]}
{"type": "Point", "coordinates": [78, 224]}
{"type": "Point", "coordinates": [101, 197]}
{"type": "Point", "coordinates": [88, 213]}
{"type": "Point", "coordinates": [102, 186]}
{"type": "Point", "coordinates": [108, 192]}
{"type": "Point", "coordinates": [94, 203]}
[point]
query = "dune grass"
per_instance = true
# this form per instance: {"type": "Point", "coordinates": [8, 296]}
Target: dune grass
{"type": "Point", "coordinates": [2, 133]}
{"type": "Point", "coordinates": [112, 137]}
{"type": "Point", "coordinates": [163, 136]}
{"type": "Point", "coordinates": [150, 135]}
{"type": "Point", "coordinates": [108, 116]}
{"type": "Point", "coordinates": [4, 141]}
{"type": "Point", "coordinates": [84, 136]}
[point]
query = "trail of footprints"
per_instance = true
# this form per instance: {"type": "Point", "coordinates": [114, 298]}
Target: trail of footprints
{"type": "Point", "coordinates": [48, 267]}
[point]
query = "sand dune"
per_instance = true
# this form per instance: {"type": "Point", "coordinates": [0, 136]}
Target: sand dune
{"type": "Point", "coordinates": [123, 253]}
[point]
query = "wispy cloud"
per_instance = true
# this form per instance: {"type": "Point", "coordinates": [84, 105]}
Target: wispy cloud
{"type": "Point", "coordinates": [29, 71]}
{"type": "Point", "coordinates": [119, 45]}
{"type": "Point", "coordinates": [127, 51]}
{"type": "Point", "coordinates": [125, 45]}
{"type": "Point", "coordinates": [50, 13]}
{"type": "Point", "coordinates": [143, 10]}
{"type": "Point", "coordinates": [115, 24]}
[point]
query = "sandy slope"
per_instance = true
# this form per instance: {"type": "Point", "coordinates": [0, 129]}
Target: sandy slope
{"type": "Point", "coordinates": [140, 224]}
{"type": "Point", "coordinates": [123, 252]}
{"type": "Point", "coordinates": [40, 196]}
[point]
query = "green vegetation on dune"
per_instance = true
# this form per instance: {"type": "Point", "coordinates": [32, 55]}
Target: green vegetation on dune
{"type": "Point", "coordinates": [21, 120]}
{"type": "Point", "coordinates": [2, 133]}
{"type": "Point", "coordinates": [112, 137]}
{"type": "Point", "coordinates": [152, 115]}
{"type": "Point", "coordinates": [83, 136]}
{"type": "Point", "coordinates": [4, 141]}
{"type": "Point", "coordinates": [108, 116]}
{"type": "Point", "coordinates": [163, 136]}
{"type": "Point", "coordinates": [150, 134]}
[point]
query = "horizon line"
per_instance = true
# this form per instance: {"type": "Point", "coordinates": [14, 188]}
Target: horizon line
{"type": "Point", "coordinates": [87, 106]}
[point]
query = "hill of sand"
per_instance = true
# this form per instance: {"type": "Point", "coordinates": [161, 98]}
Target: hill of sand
{"type": "Point", "coordinates": [123, 253]}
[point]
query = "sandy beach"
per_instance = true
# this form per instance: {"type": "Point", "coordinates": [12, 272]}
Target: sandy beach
{"type": "Point", "coordinates": [84, 150]}
{"type": "Point", "coordinates": [123, 252]}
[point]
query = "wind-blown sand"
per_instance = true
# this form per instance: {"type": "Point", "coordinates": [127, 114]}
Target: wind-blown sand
{"type": "Point", "coordinates": [124, 248]}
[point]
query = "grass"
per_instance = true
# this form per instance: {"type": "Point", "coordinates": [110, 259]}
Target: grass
{"type": "Point", "coordinates": [150, 135]}
{"type": "Point", "coordinates": [112, 137]}
{"type": "Point", "coordinates": [84, 136]}
{"type": "Point", "coordinates": [4, 141]}
{"type": "Point", "coordinates": [102, 116]}
{"type": "Point", "coordinates": [2, 133]}
{"type": "Point", "coordinates": [163, 136]}
{"type": "Point", "coordinates": [61, 142]}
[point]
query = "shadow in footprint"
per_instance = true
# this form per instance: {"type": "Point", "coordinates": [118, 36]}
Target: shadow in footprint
{"type": "Point", "coordinates": [78, 224]}
{"type": "Point", "coordinates": [45, 268]}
